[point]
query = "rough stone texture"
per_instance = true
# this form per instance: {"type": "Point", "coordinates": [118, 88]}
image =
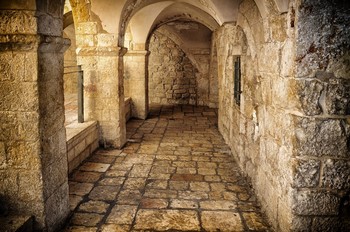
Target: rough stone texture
{"type": "Point", "coordinates": [221, 221]}
{"type": "Point", "coordinates": [322, 137]}
{"type": "Point", "coordinates": [33, 153]}
{"type": "Point", "coordinates": [163, 220]}
{"type": "Point", "coordinates": [322, 73]}
{"type": "Point", "coordinates": [336, 174]}
{"type": "Point", "coordinates": [136, 82]}
{"type": "Point", "coordinates": [70, 60]}
{"type": "Point", "coordinates": [102, 64]}
{"type": "Point", "coordinates": [315, 203]}
{"type": "Point", "coordinates": [172, 78]}
{"type": "Point", "coordinates": [259, 130]}
{"type": "Point", "coordinates": [151, 192]}
{"type": "Point", "coordinates": [307, 173]}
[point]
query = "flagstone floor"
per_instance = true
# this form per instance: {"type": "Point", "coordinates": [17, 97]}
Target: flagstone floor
{"type": "Point", "coordinates": [175, 174]}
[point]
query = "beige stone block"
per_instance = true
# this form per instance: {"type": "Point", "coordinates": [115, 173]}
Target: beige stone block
{"type": "Point", "coordinates": [222, 221]}
{"type": "Point", "coordinates": [19, 97]}
{"type": "Point", "coordinates": [167, 220]}
{"type": "Point", "coordinates": [18, 22]}
{"type": "Point", "coordinates": [12, 66]}
{"type": "Point", "coordinates": [122, 214]}
{"type": "Point", "coordinates": [80, 147]}
{"type": "Point", "coordinates": [86, 41]}
{"type": "Point", "coordinates": [107, 40]}
{"type": "Point", "coordinates": [89, 28]}
{"type": "Point", "coordinates": [86, 219]}
{"type": "Point", "coordinates": [23, 155]}
{"type": "Point", "coordinates": [287, 58]}
{"type": "Point", "coordinates": [271, 61]}
{"type": "Point", "coordinates": [29, 186]}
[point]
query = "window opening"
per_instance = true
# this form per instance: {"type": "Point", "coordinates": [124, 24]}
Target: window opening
{"type": "Point", "coordinates": [237, 81]}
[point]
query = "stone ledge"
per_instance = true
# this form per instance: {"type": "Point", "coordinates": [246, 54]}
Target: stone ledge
{"type": "Point", "coordinates": [16, 223]}
{"type": "Point", "coordinates": [82, 141]}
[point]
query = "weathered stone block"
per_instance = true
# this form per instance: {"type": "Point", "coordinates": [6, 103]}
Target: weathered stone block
{"type": "Point", "coordinates": [318, 203]}
{"type": "Point", "coordinates": [18, 22]}
{"type": "Point", "coordinates": [336, 174]}
{"type": "Point", "coordinates": [59, 201]}
{"type": "Point", "coordinates": [271, 61]}
{"type": "Point", "coordinates": [337, 97]}
{"type": "Point", "coordinates": [86, 41]}
{"type": "Point", "coordinates": [48, 25]}
{"type": "Point", "coordinates": [327, 224]}
{"type": "Point", "coordinates": [321, 137]}
{"type": "Point", "coordinates": [309, 92]}
{"type": "Point", "coordinates": [319, 23]}
{"type": "Point", "coordinates": [107, 40]}
{"type": "Point", "coordinates": [54, 176]}
{"type": "Point", "coordinates": [25, 128]}
{"type": "Point", "coordinates": [2, 155]}
{"type": "Point", "coordinates": [23, 155]}
{"type": "Point", "coordinates": [86, 28]}
{"type": "Point", "coordinates": [300, 223]}
{"type": "Point", "coordinates": [307, 173]}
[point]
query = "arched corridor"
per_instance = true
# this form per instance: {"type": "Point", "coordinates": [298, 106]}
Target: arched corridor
{"type": "Point", "coordinates": [175, 173]}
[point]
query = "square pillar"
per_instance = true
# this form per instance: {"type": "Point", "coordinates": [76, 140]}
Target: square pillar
{"type": "Point", "coordinates": [33, 161]}
{"type": "Point", "coordinates": [135, 71]}
{"type": "Point", "coordinates": [100, 58]}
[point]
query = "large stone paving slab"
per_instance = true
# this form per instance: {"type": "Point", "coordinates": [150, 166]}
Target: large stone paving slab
{"type": "Point", "coordinates": [162, 220]}
{"type": "Point", "coordinates": [175, 174]}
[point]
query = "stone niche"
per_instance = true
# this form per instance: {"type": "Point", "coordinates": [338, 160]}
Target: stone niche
{"type": "Point", "coordinates": [179, 63]}
{"type": "Point", "coordinates": [172, 77]}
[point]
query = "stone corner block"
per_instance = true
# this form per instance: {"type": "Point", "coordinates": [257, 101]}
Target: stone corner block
{"type": "Point", "coordinates": [336, 174]}
{"type": "Point", "coordinates": [315, 203]}
{"type": "Point", "coordinates": [307, 173]}
{"type": "Point", "coordinates": [321, 137]}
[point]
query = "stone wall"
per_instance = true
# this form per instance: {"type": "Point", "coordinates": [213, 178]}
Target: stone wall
{"type": "Point", "coordinates": [260, 129]}
{"type": "Point", "coordinates": [33, 162]}
{"type": "Point", "coordinates": [101, 61]}
{"type": "Point", "coordinates": [70, 61]}
{"type": "Point", "coordinates": [172, 77]}
{"type": "Point", "coordinates": [321, 149]}
{"type": "Point", "coordinates": [290, 131]}
{"type": "Point", "coordinates": [136, 82]}
{"type": "Point", "coordinates": [213, 77]}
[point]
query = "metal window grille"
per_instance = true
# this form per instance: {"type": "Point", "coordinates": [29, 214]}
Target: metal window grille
{"type": "Point", "coordinates": [237, 81]}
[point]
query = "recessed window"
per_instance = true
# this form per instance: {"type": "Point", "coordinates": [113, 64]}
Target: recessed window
{"type": "Point", "coordinates": [237, 81]}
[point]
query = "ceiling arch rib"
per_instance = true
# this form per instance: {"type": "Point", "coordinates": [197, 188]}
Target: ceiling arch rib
{"type": "Point", "coordinates": [185, 11]}
{"type": "Point", "coordinates": [143, 20]}
{"type": "Point", "coordinates": [154, 15]}
{"type": "Point", "coordinates": [205, 5]}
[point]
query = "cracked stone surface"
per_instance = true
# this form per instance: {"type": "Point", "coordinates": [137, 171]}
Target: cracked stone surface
{"type": "Point", "coordinates": [174, 174]}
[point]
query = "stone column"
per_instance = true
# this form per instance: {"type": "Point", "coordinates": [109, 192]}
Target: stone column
{"type": "Point", "coordinates": [136, 64]}
{"type": "Point", "coordinates": [99, 56]}
{"type": "Point", "coordinates": [33, 161]}
{"type": "Point", "coordinates": [322, 125]}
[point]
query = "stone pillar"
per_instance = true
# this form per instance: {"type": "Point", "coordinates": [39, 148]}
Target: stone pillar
{"type": "Point", "coordinates": [136, 63]}
{"type": "Point", "coordinates": [103, 86]}
{"type": "Point", "coordinates": [33, 161]}
{"type": "Point", "coordinates": [322, 127]}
